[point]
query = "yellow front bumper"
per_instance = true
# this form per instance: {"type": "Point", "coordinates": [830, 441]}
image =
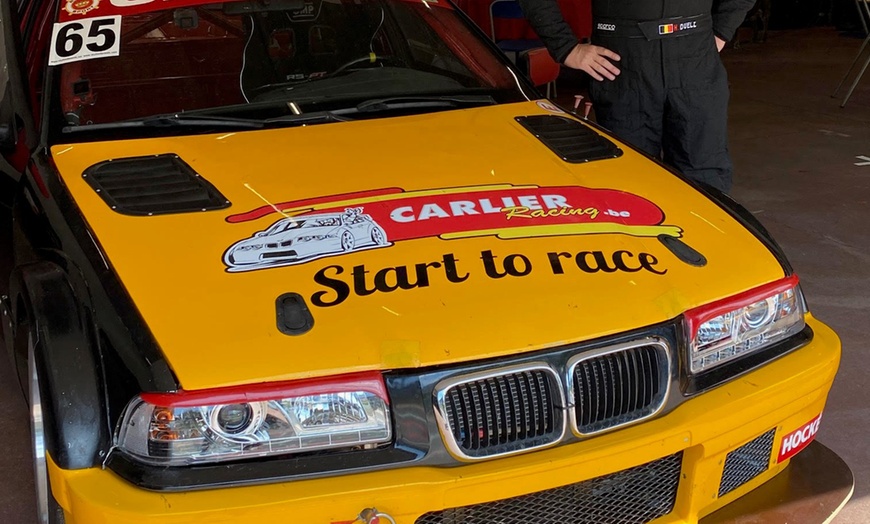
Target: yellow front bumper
{"type": "Point", "coordinates": [784, 394]}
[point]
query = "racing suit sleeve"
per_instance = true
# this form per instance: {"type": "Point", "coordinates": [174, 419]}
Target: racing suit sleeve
{"type": "Point", "coordinates": [546, 19]}
{"type": "Point", "coordinates": [728, 15]}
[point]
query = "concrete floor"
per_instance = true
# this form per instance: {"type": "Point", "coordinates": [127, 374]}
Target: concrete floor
{"type": "Point", "coordinates": [795, 153]}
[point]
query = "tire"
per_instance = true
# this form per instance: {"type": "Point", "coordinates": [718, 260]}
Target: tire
{"type": "Point", "coordinates": [48, 510]}
{"type": "Point", "coordinates": [346, 241]}
{"type": "Point", "coordinates": [378, 237]}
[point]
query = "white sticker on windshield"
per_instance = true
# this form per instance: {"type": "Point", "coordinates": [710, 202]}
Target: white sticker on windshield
{"type": "Point", "coordinates": [85, 39]}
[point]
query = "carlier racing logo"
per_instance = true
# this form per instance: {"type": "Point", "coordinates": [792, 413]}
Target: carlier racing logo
{"type": "Point", "coordinates": [315, 228]}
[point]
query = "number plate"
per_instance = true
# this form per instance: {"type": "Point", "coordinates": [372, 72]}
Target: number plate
{"type": "Point", "coordinates": [85, 39]}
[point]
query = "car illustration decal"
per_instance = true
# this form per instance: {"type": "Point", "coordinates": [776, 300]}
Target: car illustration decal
{"type": "Point", "coordinates": [294, 240]}
{"type": "Point", "coordinates": [314, 228]}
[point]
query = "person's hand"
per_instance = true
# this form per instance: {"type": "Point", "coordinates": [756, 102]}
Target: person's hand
{"type": "Point", "coordinates": [719, 44]}
{"type": "Point", "coordinates": [594, 60]}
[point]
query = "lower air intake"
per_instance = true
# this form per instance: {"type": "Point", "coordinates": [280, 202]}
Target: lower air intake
{"type": "Point", "coordinates": [633, 496]}
{"type": "Point", "coordinates": [746, 462]}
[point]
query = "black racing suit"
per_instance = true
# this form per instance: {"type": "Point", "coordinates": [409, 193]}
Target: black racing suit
{"type": "Point", "coordinates": [671, 97]}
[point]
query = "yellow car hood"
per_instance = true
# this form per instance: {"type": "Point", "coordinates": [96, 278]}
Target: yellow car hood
{"type": "Point", "coordinates": [418, 241]}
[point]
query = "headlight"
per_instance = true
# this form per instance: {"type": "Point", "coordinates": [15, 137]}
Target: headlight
{"type": "Point", "coordinates": [250, 247]}
{"type": "Point", "coordinates": [182, 428]}
{"type": "Point", "coordinates": [309, 238]}
{"type": "Point", "coordinates": [745, 323]}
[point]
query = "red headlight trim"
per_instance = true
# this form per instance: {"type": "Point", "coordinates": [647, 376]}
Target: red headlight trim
{"type": "Point", "coordinates": [697, 316]}
{"type": "Point", "coordinates": [368, 381]}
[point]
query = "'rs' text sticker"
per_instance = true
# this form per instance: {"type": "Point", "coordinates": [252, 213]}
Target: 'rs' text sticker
{"type": "Point", "coordinates": [85, 39]}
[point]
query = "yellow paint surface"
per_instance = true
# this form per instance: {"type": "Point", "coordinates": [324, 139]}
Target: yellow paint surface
{"type": "Point", "coordinates": [218, 328]}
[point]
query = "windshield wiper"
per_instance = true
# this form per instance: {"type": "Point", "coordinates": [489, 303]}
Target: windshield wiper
{"type": "Point", "coordinates": [423, 102]}
{"type": "Point", "coordinates": [316, 117]}
{"type": "Point", "coordinates": [171, 120]}
{"type": "Point", "coordinates": [199, 120]}
{"type": "Point", "coordinates": [396, 103]}
{"type": "Point", "coordinates": [376, 105]}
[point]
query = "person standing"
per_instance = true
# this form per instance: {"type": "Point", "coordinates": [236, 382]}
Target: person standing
{"type": "Point", "coordinates": [658, 82]}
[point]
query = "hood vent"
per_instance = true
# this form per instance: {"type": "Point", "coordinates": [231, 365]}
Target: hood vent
{"type": "Point", "coordinates": [568, 138]}
{"type": "Point", "coordinates": [153, 185]}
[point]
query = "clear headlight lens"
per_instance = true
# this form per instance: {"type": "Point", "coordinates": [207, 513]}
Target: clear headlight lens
{"type": "Point", "coordinates": [250, 247]}
{"type": "Point", "coordinates": [274, 419]}
{"type": "Point", "coordinates": [748, 322]}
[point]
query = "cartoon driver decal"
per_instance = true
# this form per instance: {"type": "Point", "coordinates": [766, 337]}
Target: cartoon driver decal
{"type": "Point", "coordinates": [314, 228]}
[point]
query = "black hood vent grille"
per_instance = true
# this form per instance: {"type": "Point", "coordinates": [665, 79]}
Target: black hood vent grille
{"type": "Point", "coordinates": [153, 185]}
{"type": "Point", "coordinates": [568, 138]}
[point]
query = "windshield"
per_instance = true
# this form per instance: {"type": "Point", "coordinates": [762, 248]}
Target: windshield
{"type": "Point", "coordinates": [124, 60]}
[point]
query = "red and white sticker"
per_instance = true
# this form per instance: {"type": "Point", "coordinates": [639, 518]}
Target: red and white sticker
{"type": "Point", "coordinates": [80, 7]}
{"type": "Point", "coordinates": [547, 106]}
{"type": "Point", "coordinates": [798, 439]}
{"type": "Point", "coordinates": [85, 39]}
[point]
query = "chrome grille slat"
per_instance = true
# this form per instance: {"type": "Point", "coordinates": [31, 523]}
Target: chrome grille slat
{"type": "Point", "coordinates": [478, 417]}
{"type": "Point", "coordinates": [492, 413]}
{"type": "Point", "coordinates": [633, 386]}
{"type": "Point", "coordinates": [515, 403]}
{"type": "Point", "coordinates": [621, 397]}
{"type": "Point", "coordinates": [650, 378]}
{"type": "Point", "coordinates": [642, 380]}
{"type": "Point", "coordinates": [506, 413]}
{"type": "Point", "coordinates": [593, 387]}
{"type": "Point", "coordinates": [523, 397]}
{"type": "Point", "coordinates": [586, 395]}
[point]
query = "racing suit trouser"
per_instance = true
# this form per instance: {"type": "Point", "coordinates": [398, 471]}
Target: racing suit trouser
{"type": "Point", "coordinates": [672, 96]}
{"type": "Point", "coordinates": [670, 101]}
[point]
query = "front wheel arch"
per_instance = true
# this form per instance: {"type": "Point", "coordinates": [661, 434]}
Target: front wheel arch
{"type": "Point", "coordinates": [66, 358]}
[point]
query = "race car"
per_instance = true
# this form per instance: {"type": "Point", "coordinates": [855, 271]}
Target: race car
{"type": "Point", "coordinates": [326, 261]}
{"type": "Point", "coordinates": [292, 240]}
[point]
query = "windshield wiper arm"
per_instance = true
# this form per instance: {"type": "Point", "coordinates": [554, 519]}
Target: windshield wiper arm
{"type": "Point", "coordinates": [181, 119]}
{"type": "Point", "coordinates": [200, 120]}
{"type": "Point", "coordinates": [171, 120]}
{"type": "Point", "coordinates": [423, 102]}
{"type": "Point", "coordinates": [316, 117]}
{"type": "Point", "coordinates": [196, 118]}
{"type": "Point", "coordinates": [376, 105]}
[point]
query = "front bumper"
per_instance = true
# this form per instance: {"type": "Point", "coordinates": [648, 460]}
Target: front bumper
{"type": "Point", "coordinates": [780, 397]}
{"type": "Point", "coordinates": [813, 488]}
